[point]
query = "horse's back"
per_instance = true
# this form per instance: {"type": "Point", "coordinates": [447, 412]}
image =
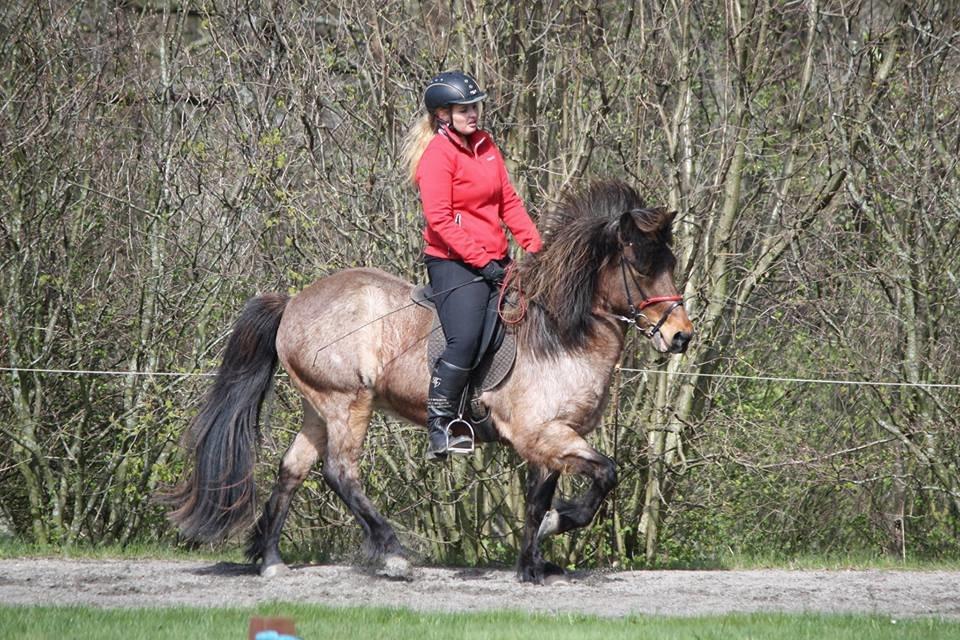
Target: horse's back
{"type": "Point", "coordinates": [346, 327]}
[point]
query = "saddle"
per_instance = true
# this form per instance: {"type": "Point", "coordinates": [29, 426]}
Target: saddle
{"type": "Point", "coordinates": [494, 361]}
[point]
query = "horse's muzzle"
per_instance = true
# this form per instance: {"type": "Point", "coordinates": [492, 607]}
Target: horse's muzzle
{"type": "Point", "coordinates": [680, 341]}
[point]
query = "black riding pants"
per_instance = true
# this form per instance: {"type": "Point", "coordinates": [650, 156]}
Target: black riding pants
{"type": "Point", "coordinates": [461, 305]}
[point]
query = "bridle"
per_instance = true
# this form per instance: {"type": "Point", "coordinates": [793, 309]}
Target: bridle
{"type": "Point", "coordinates": [636, 311]}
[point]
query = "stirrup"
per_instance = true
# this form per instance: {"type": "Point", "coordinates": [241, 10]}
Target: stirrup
{"type": "Point", "coordinates": [459, 440]}
{"type": "Point", "coordinates": [460, 437]}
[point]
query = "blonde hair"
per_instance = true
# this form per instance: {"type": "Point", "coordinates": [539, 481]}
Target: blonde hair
{"type": "Point", "coordinates": [415, 143]}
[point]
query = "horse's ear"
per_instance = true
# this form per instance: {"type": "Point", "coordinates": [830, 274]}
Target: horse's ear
{"type": "Point", "coordinates": [624, 225]}
{"type": "Point", "coordinates": [648, 220]}
{"type": "Point", "coordinates": [668, 217]}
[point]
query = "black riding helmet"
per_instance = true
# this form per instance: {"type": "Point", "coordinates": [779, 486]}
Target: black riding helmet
{"type": "Point", "coordinates": [451, 87]}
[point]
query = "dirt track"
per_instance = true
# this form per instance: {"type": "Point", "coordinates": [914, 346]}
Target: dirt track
{"type": "Point", "coordinates": [151, 583]}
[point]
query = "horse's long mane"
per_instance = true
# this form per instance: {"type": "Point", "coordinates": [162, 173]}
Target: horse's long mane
{"type": "Point", "coordinates": [581, 237]}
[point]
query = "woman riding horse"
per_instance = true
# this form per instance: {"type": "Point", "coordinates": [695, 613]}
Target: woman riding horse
{"type": "Point", "coordinates": [466, 196]}
{"type": "Point", "coordinates": [352, 343]}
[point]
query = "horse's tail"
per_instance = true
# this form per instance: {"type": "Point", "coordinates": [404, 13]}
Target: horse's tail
{"type": "Point", "coordinates": [218, 496]}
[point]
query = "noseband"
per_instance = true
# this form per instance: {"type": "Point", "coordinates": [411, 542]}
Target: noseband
{"type": "Point", "coordinates": [636, 311]}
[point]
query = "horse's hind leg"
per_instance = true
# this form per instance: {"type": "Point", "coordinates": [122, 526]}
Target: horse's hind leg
{"type": "Point", "coordinates": [307, 446]}
{"type": "Point", "coordinates": [342, 473]}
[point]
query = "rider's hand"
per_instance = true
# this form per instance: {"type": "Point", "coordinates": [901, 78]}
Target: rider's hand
{"type": "Point", "coordinates": [493, 273]}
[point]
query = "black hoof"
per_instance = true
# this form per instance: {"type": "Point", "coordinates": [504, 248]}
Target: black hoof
{"type": "Point", "coordinates": [555, 575]}
{"type": "Point", "coordinates": [541, 573]}
{"type": "Point", "coordinates": [530, 575]}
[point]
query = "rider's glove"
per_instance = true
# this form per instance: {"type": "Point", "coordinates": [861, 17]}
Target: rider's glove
{"type": "Point", "coordinates": [493, 273]}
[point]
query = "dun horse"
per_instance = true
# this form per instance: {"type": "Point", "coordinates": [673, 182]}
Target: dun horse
{"type": "Point", "coordinates": [606, 264]}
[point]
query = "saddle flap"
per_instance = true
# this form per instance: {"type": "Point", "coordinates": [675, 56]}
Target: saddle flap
{"type": "Point", "coordinates": [493, 365]}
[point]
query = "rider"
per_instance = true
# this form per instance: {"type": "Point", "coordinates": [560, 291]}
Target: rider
{"type": "Point", "coordinates": [467, 197]}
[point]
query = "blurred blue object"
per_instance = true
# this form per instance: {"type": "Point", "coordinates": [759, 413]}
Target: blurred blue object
{"type": "Point", "coordinates": [273, 635]}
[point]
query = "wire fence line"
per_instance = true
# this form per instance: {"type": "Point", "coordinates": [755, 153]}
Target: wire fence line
{"type": "Point", "coordinates": [827, 381]}
{"type": "Point", "coordinates": [728, 376]}
{"type": "Point", "coordinates": [104, 372]}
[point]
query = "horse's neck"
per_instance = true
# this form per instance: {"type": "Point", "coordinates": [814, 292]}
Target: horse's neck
{"type": "Point", "coordinates": [602, 350]}
{"type": "Point", "coordinates": [606, 345]}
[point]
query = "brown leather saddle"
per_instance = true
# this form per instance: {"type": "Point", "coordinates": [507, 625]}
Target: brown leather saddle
{"type": "Point", "coordinates": [495, 358]}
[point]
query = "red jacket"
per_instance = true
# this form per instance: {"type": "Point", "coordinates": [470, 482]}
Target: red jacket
{"type": "Point", "coordinates": [466, 193]}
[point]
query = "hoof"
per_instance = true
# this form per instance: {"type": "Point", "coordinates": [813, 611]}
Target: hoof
{"type": "Point", "coordinates": [542, 573]}
{"type": "Point", "coordinates": [396, 567]}
{"type": "Point", "coordinates": [530, 575]}
{"type": "Point", "coordinates": [530, 571]}
{"type": "Point", "coordinates": [554, 575]}
{"type": "Point", "coordinates": [549, 525]}
{"type": "Point", "coordinates": [274, 570]}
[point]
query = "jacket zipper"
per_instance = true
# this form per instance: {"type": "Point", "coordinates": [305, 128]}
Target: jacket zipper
{"type": "Point", "coordinates": [456, 221]}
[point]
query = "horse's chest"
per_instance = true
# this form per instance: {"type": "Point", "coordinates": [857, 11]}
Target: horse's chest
{"type": "Point", "coordinates": [580, 393]}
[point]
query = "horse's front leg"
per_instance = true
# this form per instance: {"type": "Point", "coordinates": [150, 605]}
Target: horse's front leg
{"type": "Point", "coordinates": [541, 485]}
{"type": "Point", "coordinates": [579, 512]}
{"type": "Point", "coordinates": [561, 449]}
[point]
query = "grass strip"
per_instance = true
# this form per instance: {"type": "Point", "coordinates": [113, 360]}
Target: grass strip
{"type": "Point", "coordinates": [314, 622]}
{"type": "Point", "coordinates": [10, 549]}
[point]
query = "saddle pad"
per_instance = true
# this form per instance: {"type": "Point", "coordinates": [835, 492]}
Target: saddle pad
{"type": "Point", "coordinates": [492, 369]}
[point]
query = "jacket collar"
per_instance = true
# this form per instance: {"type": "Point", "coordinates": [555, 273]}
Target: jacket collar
{"type": "Point", "coordinates": [475, 143]}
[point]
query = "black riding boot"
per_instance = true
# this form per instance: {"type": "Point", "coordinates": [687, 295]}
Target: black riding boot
{"type": "Point", "coordinates": [443, 403]}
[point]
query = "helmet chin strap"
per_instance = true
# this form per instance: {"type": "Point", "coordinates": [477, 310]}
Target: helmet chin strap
{"type": "Point", "coordinates": [446, 127]}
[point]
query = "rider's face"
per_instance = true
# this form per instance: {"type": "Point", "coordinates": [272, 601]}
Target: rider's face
{"type": "Point", "coordinates": [463, 118]}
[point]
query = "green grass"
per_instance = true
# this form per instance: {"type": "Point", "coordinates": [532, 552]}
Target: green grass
{"type": "Point", "coordinates": [314, 622]}
{"type": "Point", "coordinates": [10, 548]}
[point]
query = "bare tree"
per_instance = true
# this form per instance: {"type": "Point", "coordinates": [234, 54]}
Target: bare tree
{"type": "Point", "coordinates": [163, 161]}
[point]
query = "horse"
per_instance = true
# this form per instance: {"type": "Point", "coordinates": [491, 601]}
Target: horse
{"type": "Point", "coordinates": [352, 343]}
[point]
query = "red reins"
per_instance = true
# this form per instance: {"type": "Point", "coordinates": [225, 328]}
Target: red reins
{"type": "Point", "coordinates": [512, 273]}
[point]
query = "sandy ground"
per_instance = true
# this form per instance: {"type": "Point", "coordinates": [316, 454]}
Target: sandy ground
{"type": "Point", "coordinates": [151, 583]}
